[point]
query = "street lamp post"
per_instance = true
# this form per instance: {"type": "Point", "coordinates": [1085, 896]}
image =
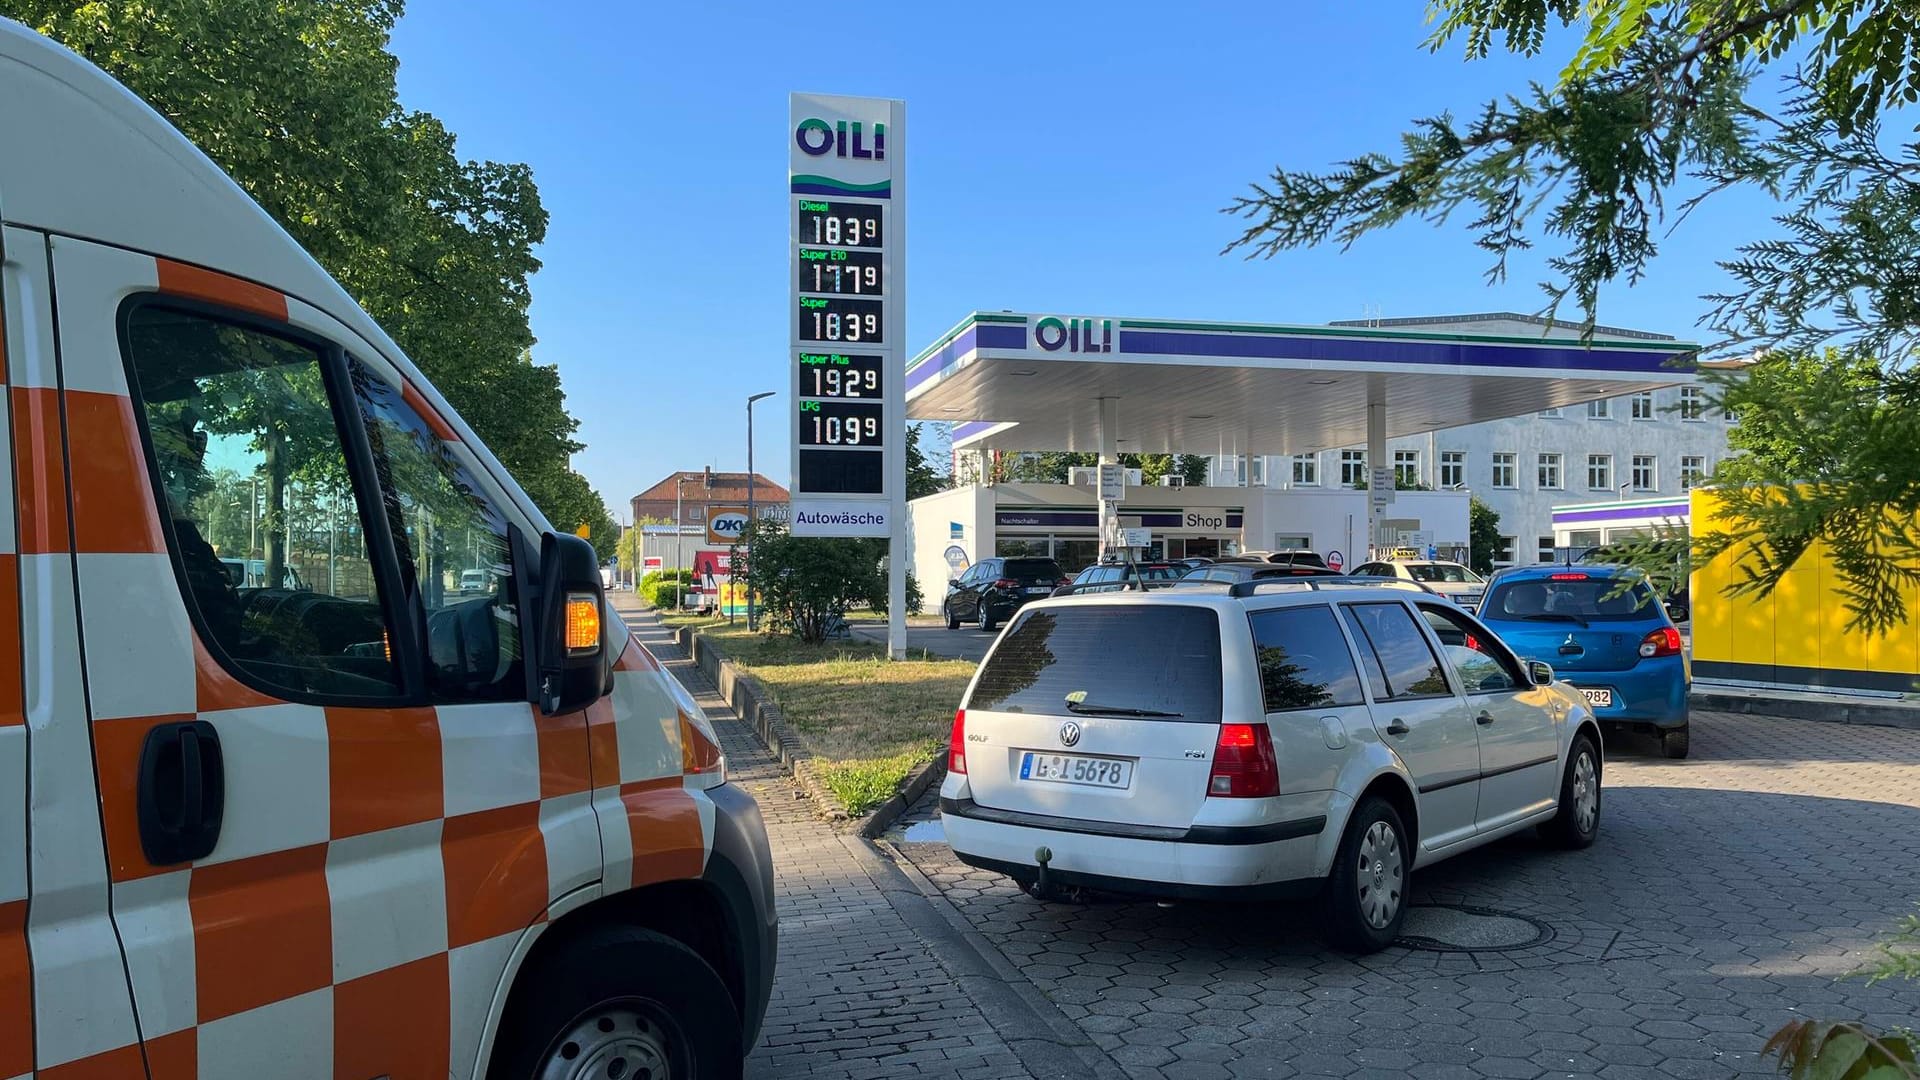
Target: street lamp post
{"type": "Point", "coordinates": [753, 615]}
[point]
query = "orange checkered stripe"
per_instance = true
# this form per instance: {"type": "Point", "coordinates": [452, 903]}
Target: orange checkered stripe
{"type": "Point", "coordinates": [379, 871]}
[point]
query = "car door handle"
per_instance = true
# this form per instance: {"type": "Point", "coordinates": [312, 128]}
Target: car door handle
{"type": "Point", "coordinates": [181, 796]}
{"type": "Point", "coordinates": [1484, 718]}
{"type": "Point", "coordinates": [1397, 726]}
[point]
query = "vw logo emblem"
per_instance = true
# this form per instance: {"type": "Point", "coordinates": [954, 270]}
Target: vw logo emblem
{"type": "Point", "coordinates": [1069, 733]}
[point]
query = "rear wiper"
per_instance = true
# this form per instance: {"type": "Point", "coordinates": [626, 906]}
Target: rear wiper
{"type": "Point", "coordinates": [1085, 708]}
{"type": "Point", "coordinates": [1557, 616]}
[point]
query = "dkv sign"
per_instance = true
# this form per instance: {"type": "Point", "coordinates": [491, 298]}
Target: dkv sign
{"type": "Point", "coordinates": [725, 525]}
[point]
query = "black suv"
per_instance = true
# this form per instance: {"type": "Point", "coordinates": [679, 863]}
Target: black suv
{"type": "Point", "coordinates": [993, 589]}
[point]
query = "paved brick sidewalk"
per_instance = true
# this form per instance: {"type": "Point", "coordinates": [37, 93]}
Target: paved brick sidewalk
{"type": "Point", "coordinates": [858, 993]}
{"type": "Point", "coordinates": [1728, 894]}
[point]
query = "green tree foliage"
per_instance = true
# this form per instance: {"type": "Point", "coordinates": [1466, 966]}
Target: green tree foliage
{"type": "Point", "coordinates": [1659, 96]}
{"type": "Point", "coordinates": [296, 101]}
{"type": "Point", "coordinates": [804, 581]}
{"type": "Point", "coordinates": [1483, 535]}
{"type": "Point", "coordinates": [1055, 467]}
{"type": "Point", "coordinates": [922, 479]}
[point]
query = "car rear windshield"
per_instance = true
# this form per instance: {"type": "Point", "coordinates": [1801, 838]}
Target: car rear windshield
{"type": "Point", "coordinates": [1571, 597]}
{"type": "Point", "coordinates": [1452, 573]}
{"type": "Point", "coordinates": [1033, 570]}
{"type": "Point", "coordinates": [1107, 660]}
{"type": "Point", "coordinates": [1160, 573]}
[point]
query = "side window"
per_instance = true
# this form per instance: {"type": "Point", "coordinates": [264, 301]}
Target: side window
{"type": "Point", "coordinates": [452, 543]}
{"type": "Point", "coordinates": [1407, 667]}
{"type": "Point", "coordinates": [266, 531]}
{"type": "Point", "coordinates": [1303, 657]}
{"type": "Point", "coordinates": [1483, 664]}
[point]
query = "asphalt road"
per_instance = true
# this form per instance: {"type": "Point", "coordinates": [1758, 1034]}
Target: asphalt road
{"type": "Point", "coordinates": [966, 643]}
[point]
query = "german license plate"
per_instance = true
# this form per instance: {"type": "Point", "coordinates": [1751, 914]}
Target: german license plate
{"type": "Point", "coordinates": [1036, 590]}
{"type": "Point", "coordinates": [1597, 696]}
{"type": "Point", "coordinates": [1076, 769]}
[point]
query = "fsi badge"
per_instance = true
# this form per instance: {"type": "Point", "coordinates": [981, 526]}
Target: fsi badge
{"type": "Point", "coordinates": [725, 524]}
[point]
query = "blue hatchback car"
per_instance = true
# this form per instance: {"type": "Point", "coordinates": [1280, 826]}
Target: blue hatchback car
{"type": "Point", "coordinates": [1610, 638]}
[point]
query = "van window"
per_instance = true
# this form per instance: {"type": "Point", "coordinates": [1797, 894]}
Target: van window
{"type": "Point", "coordinates": [1303, 657]}
{"type": "Point", "coordinates": [452, 543]}
{"type": "Point", "coordinates": [265, 529]}
{"type": "Point", "coordinates": [1407, 667]}
{"type": "Point", "coordinates": [1160, 658]}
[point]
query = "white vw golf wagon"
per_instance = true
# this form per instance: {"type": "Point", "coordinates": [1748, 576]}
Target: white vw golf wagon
{"type": "Point", "coordinates": [1269, 740]}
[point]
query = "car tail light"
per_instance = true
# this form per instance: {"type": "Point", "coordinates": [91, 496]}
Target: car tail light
{"type": "Point", "coordinates": [1066, 581]}
{"type": "Point", "coordinates": [1006, 583]}
{"type": "Point", "coordinates": [1662, 642]}
{"type": "Point", "coordinates": [1243, 763]}
{"type": "Point", "coordinates": [957, 744]}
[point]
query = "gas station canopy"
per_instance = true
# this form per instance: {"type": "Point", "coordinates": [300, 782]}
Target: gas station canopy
{"type": "Point", "coordinates": [1039, 382]}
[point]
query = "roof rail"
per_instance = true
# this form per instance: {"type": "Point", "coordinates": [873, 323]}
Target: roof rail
{"type": "Point", "coordinates": [1254, 586]}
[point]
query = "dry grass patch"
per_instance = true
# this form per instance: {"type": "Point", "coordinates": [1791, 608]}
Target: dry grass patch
{"type": "Point", "coordinates": [868, 721]}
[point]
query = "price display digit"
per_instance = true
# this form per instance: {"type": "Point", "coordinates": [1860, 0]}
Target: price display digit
{"type": "Point", "coordinates": [841, 318]}
{"type": "Point", "coordinates": [839, 224]}
{"type": "Point", "coordinates": [834, 270]}
{"type": "Point", "coordinates": [849, 424]}
{"type": "Point", "coordinates": [839, 375]}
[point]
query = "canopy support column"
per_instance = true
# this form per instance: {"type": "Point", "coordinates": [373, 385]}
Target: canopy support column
{"type": "Point", "coordinates": [1109, 455]}
{"type": "Point", "coordinates": [1380, 475]}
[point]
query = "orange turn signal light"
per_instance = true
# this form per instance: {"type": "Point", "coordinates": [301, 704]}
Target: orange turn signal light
{"type": "Point", "coordinates": [583, 624]}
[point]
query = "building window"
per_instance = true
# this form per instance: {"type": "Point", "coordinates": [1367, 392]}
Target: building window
{"type": "Point", "coordinates": [1600, 472]}
{"type": "Point", "coordinates": [1550, 471]}
{"type": "Point", "coordinates": [1306, 470]}
{"type": "Point", "coordinates": [1550, 414]}
{"type": "Point", "coordinates": [1406, 467]}
{"type": "Point", "coordinates": [1643, 405]}
{"type": "Point", "coordinates": [1503, 552]}
{"type": "Point", "coordinates": [1693, 469]}
{"type": "Point", "coordinates": [1453, 468]}
{"type": "Point", "coordinates": [1547, 549]}
{"type": "Point", "coordinates": [1505, 467]}
{"type": "Point", "coordinates": [1257, 471]}
{"type": "Point", "coordinates": [1646, 474]}
{"type": "Point", "coordinates": [1353, 467]}
{"type": "Point", "coordinates": [1693, 403]}
{"type": "Point", "coordinates": [1600, 410]}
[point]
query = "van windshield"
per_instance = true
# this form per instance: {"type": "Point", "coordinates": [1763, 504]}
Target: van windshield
{"type": "Point", "coordinates": [1151, 661]}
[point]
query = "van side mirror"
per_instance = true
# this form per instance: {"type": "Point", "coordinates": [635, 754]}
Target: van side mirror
{"type": "Point", "coordinates": [570, 641]}
{"type": "Point", "coordinates": [1540, 672]}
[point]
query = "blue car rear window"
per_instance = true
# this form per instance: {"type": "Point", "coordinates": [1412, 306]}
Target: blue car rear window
{"type": "Point", "coordinates": [1594, 599]}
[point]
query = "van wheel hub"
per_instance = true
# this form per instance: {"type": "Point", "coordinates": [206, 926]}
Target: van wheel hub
{"type": "Point", "coordinates": [618, 1040]}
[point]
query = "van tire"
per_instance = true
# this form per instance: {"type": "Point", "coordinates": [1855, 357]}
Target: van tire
{"type": "Point", "coordinates": [1572, 828]}
{"type": "Point", "coordinates": [1343, 906]}
{"type": "Point", "coordinates": [631, 992]}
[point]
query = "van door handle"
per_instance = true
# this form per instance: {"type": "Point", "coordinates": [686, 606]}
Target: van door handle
{"type": "Point", "coordinates": [182, 792]}
{"type": "Point", "coordinates": [1484, 718]}
{"type": "Point", "coordinates": [1397, 726]}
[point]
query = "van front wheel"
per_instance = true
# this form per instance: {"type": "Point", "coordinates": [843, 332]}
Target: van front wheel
{"type": "Point", "coordinates": [1365, 897]}
{"type": "Point", "coordinates": [620, 1002]}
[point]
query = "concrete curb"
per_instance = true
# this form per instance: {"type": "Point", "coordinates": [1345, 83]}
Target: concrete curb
{"type": "Point", "coordinates": [1826, 710]}
{"type": "Point", "coordinates": [1049, 1045]}
{"type": "Point", "coordinates": [755, 705]}
{"type": "Point", "coordinates": [875, 825]}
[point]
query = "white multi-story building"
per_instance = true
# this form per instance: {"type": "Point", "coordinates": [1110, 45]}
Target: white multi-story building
{"type": "Point", "coordinates": [1657, 443]}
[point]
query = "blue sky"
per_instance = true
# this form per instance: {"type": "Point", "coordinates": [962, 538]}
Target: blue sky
{"type": "Point", "coordinates": [1063, 158]}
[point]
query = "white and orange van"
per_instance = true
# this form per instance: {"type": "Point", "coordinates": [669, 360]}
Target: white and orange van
{"type": "Point", "coordinates": [282, 793]}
